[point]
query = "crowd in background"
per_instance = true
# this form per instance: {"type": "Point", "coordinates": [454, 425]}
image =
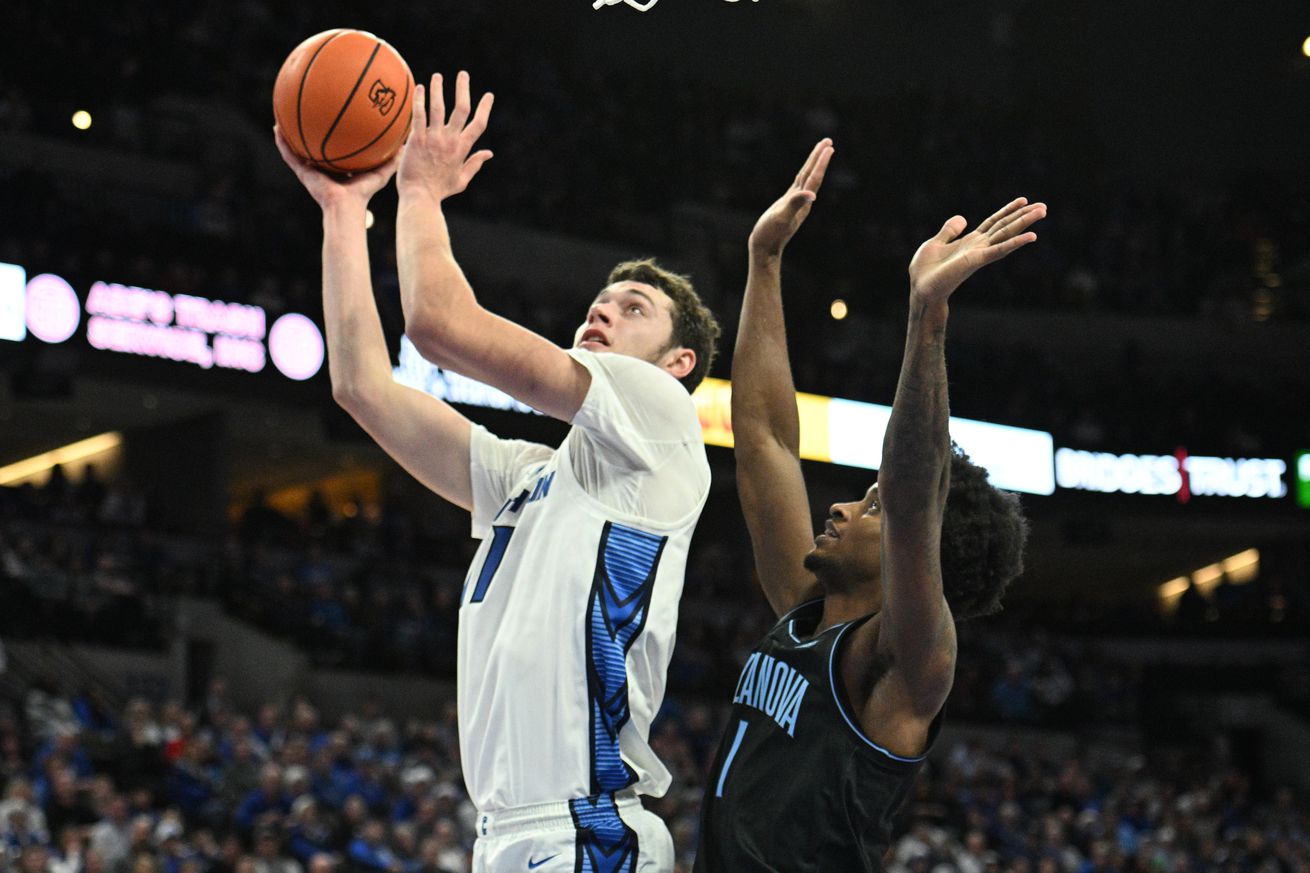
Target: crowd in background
{"type": "Point", "coordinates": [1220, 249]}
{"type": "Point", "coordinates": [379, 588]}
{"type": "Point", "coordinates": [202, 788]}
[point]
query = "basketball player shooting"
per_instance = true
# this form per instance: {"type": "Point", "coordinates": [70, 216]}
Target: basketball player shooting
{"type": "Point", "coordinates": [568, 611]}
{"type": "Point", "coordinates": [837, 706]}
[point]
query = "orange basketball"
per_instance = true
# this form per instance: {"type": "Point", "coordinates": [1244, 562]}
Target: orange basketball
{"type": "Point", "coordinates": [342, 100]}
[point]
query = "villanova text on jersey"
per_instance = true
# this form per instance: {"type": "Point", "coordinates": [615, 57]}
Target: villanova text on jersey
{"type": "Point", "coordinates": [797, 786]}
{"type": "Point", "coordinates": [773, 687]}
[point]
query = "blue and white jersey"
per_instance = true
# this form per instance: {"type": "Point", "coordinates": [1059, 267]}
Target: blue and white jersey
{"type": "Point", "coordinates": [569, 610]}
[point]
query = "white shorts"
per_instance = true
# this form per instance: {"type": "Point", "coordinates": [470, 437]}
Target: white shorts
{"type": "Point", "coordinates": [603, 834]}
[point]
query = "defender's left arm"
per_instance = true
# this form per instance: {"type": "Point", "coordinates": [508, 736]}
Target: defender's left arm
{"type": "Point", "coordinates": [917, 630]}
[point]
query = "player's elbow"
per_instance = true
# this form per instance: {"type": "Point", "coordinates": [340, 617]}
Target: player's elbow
{"type": "Point", "coordinates": [909, 492]}
{"type": "Point", "coordinates": [443, 338]}
{"type": "Point", "coordinates": [914, 505]}
{"type": "Point", "coordinates": [431, 338]}
{"type": "Point", "coordinates": [350, 396]}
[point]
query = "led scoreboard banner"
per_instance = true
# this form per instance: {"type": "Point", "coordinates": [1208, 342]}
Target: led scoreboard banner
{"type": "Point", "coordinates": [208, 333]}
{"type": "Point", "coordinates": [1181, 475]}
{"type": "Point", "coordinates": [832, 429]}
{"type": "Point", "coordinates": [185, 328]}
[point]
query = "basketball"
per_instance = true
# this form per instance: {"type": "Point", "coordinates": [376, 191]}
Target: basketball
{"type": "Point", "coordinates": [342, 100]}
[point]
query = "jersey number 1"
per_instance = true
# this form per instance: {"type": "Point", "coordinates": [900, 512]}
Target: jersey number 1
{"type": "Point", "coordinates": [499, 542]}
{"type": "Point", "coordinates": [732, 753]}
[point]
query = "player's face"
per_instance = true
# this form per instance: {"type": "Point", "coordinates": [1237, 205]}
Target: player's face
{"type": "Point", "coordinates": [628, 318]}
{"type": "Point", "coordinates": [850, 546]}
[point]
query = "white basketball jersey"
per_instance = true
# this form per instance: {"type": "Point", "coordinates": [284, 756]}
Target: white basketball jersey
{"type": "Point", "coordinates": [569, 610]}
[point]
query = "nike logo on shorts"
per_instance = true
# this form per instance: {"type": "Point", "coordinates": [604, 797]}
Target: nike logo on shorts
{"type": "Point", "coordinates": [533, 865]}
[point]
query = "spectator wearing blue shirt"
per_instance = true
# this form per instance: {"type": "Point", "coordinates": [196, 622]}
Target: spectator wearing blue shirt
{"type": "Point", "coordinates": [268, 800]}
{"type": "Point", "coordinates": [369, 850]}
{"type": "Point", "coordinates": [309, 835]}
{"type": "Point", "coordinates": [417, 782]}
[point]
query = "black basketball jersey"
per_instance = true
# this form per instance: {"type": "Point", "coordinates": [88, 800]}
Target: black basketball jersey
{"type": "Point", "coordinates": [796, 786]}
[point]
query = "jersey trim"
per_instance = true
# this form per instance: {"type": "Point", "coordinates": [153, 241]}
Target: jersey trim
{"type": "Point", "coordinates": [791, 632]}
{"type": "Point", "coordinates": [837, 698]}
{"type": "Point", "coordinates": [624, 580]}
{"type": "Point", "coordinates": [605, 843]}
{"type": "Point", "coordinates": [789, 616]}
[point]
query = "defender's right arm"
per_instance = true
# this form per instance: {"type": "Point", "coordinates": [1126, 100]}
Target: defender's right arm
{"type": "Point", "coordinates": [765, 422]}
{"type": "Point", "coordinates": [424, 435]}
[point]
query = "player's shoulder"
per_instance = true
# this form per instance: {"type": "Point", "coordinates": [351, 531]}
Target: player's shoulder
{"type": "Point", "coordinates": [627, 367]}
{"type": "Point", "coordinates": [639, 383]}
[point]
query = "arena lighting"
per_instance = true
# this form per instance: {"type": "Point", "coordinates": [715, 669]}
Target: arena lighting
{"type": "Point", "coordinates": [1303, 479]}
{"type": "Point", "coordinates": [1305, 47]}
{"type": "Point", "coordinates": [63, 455]}
{"type": "Point", "coordinates": [51, 308]}
{"type": "Point", "coordinates": [833, 429]}
{"type": "Point", "coordinates": [1240, 569]}
{"type": "Point", "coordinates": [1174, 588]}
{"type": "Point", "coordinates": [838, 309]}
{"type": "Point", "coordinates": [13, 302]}
{"type": "Point", "coordinates": [368, 219]}
{"type": "Point", "coordinates": [82, 119]}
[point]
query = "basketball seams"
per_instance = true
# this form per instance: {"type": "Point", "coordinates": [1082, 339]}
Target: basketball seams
{"type": "Point", "coordinates": [346, 105]}
{"type": "Point", "coordinates": [300, 92]}
{"type": "Point", "coordinates": [404, 103]}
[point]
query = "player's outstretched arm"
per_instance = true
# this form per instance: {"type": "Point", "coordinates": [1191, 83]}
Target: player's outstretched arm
{"type": "Point", "coordinates": [442, 316]}
{"type": "Point", "coordinates": [917, 630]}
{"type": "Point", "coordinates": [404, 422]}
{"type": "Point", "coordinates": [765, 424]}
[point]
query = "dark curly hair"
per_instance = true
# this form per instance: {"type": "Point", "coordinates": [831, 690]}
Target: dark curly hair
{"type": "Point", "coordinates": [983, 536]}
{"type": "Point", "coordinates": [694, 326]}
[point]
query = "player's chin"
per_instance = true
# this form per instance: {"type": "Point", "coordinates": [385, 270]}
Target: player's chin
{"type": "Point", "coordinates": [815, 560]}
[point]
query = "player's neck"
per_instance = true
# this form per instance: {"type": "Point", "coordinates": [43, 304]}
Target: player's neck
{"type": "Point", "coordinates": [840, 607]}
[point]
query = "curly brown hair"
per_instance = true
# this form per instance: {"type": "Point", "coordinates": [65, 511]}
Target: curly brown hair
{"type": "Point", "coordinates": [694, 326]}
{"type": "Point", "coordinates": [983, 536]}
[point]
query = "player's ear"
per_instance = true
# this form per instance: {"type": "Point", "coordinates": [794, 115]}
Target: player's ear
{"type": "Point", "coordinates": [679, 361]}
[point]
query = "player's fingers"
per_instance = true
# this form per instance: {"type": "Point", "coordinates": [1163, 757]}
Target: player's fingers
{"type": "Point", "coordinates": [280, 142]}
{"type": "Point", "coordinates": [1014, 205]}
{"type": "Point", "coordinates": [480, 117]}
{"type": "Point", "coordinates": [460, 113]}
{"type": "Point", "coordinates": [418, 110]}
{"type": "Point", "coordinates": [1017, 223]}
{"type": "Point", "coordinates": [953, 227]}
{"type": "Point", "coordinates": [996, 252]}
{"type": "Point", "coordinates": [818, 170]}
{"type": "Point", "coordinates": [473, 164]}
{"type": "Point", "coordinates": [437, 116]}
{"type": "Point", "coordinates": [811, 160]}
{"type": "Point", "coordinates": [293, 160]}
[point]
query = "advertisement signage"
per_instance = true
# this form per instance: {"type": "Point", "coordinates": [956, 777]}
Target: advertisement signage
{"type": "Point", "coordinates": [13, 294]}
{"type": "Point", "coordinates": [1181, 474]}
{"type": "Point", "coordinates": [850, 432]}
{"type": "Point", "coordinates": [185, 328]}
{"type": "Point", "coordinates": [1303, 480]}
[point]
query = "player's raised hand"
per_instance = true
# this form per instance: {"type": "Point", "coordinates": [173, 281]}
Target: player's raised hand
{"type": "Point", "coordinates": [780, 221]}
{"type": "Point", "coordinates": [943, 262]}
{"type": "Point", "coordinates": [439, 157]}
{"type": "Point", "coordinates": [327, 189]}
